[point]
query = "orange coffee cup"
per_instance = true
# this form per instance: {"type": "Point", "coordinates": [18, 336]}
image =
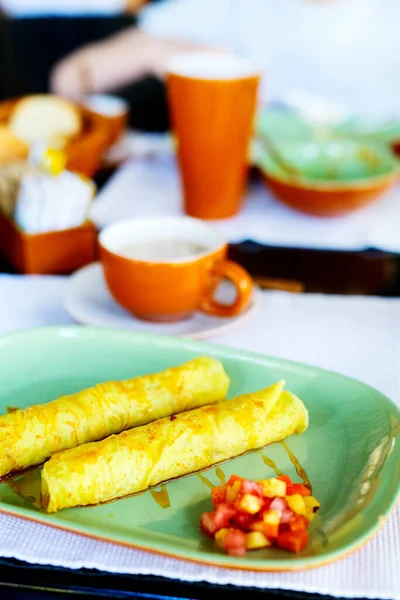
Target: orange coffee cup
{"type": "Point", "coordinates": [212, 100]}
{"type": "Point", "coordinates": [165, 268]}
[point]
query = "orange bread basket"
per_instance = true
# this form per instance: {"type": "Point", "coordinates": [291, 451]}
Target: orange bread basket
{"type": "Point", "coordinates": [85, 151]}
{"type": "Point", "coordinates": [53, 253]}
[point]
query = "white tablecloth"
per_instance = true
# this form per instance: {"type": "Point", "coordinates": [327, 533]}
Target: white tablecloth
{"type": "Point", "coordinates": [356, 336]}
{"type": "Point", "coordinates": [149, 185]}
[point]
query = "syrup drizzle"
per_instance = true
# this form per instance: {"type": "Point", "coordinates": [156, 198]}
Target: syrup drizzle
{"type": "Point", "coordinates": [205, 480]}
{"type": "Point", "coordinates": [270, 463]}
{"type": "Point", "coordinates": [220, 474]}
{"type": "Point", "coordinates": [161, 497]}
{"type": "Point", "coordinates": [27, 483]}
{"type": "Point", "coordinates": [28, 486]}
{"type": "Point", "coordinates": [299, 469]}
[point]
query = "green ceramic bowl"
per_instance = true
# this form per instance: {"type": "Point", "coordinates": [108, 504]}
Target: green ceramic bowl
{"type": "Point", "coordinates": [284, 124]}
{"type": "Point", "coordinates": [279, 122]}
{"type": "Point", "coordinates": [350, 451]}
{"type": "Point", "coordinates": [327, 178]}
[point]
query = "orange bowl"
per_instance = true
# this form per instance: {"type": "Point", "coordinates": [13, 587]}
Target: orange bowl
{"type": "Point", "coordinates": [334, 178]}
{"type": "Point", "coordinates": [85, 151]}
{"type": "Point", "coordinates": [115, 112]}
{"type": "Point", "coordinates": [326, 202]}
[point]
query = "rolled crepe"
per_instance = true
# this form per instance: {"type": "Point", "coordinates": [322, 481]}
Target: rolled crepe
{"type": "Point", "coordinates": [29, 437]}
{"type": "Point", "coordinates": [146, 456]}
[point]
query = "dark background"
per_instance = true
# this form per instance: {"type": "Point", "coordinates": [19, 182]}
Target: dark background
{"type": "Point", "coordinates": [43, 583]}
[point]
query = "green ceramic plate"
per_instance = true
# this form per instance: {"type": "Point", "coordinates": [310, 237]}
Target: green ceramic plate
{"type": "Point", "coordinates": [349, 450]}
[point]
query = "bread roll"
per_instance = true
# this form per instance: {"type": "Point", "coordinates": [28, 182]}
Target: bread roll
{"type": "Point", "coordinates": [45, 118]}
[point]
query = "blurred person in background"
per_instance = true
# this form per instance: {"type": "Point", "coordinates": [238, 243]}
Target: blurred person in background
{"type": "Point", "coordinates": [36, 34]}
{"type": "Point", "coordinates": [345, 51]}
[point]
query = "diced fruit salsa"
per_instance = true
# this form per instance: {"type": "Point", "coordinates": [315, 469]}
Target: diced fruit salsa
{"type": "Point", "coordinates": [249, 515]}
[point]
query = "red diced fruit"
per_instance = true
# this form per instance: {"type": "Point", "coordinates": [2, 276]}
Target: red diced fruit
{"type": "Point", "coordinates": [223, 515]}
{"type": "Point", "coordinates": [233, 478]}
{"type": "Point", "coordinates": [286, 479]}
{"type": "Point", "coordinates": [267, 504]}
{"type": "Point", "coordinates": [298, 488]}
{"type": "Point", "coordinates": [249, 515]}
{"type": "Point", "coordinates": [232, 491]}
{"type": "Point", "coordinates": [278, 504]}
{"type": "Point", "coordinates": [286, 515]}
{"type": "Point", "coordinates": [294, 541]}
{"type": "Point", "coordinates": [243, 521]}
{"type": "Point", "coordinates": [298, 523]}
{"type": "Point", "coordinates": [251, 487]}
{"type": "Point", "coordinates": [207, 523]}
{"type": "Point", "coordinates": [218, 494]}
{"type": "Point", "coordinates": [235, 540]}
{"type": "Point", "coordinates": [271, 531]}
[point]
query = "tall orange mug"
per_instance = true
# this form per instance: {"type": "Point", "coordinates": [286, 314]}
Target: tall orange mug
{"type": "Point", "coordinates": [212, 100]}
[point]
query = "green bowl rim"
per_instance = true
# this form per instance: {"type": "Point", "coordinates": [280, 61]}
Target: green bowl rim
{"type": "Point", "coordinates": [328, 185]}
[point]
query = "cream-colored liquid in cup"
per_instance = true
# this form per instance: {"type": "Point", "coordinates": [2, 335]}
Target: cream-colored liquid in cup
{"type": "Point", "coordinates": [161, 250]}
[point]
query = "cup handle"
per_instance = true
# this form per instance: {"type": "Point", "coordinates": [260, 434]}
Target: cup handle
{"type": "Point", "coordinates": [226, 269]}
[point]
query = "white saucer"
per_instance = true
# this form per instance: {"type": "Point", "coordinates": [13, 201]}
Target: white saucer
{"type": "Point", "coordinates": [89, 302]}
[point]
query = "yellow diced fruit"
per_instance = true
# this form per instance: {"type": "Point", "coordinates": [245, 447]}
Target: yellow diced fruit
{"type": "Point", "coordinates": [271, 517]}
{"type": "Point", "coordinates": [273, 487]}
{"type": "Point", "coordinates": [220, 536]}
{"type": "Point", "coordinates": [257, 526]}
{"type": "Point", "coordinates": [249, 503]}
{"type": "Point", "coordinates": [311, 502]}
{"type": "Point", "coordinates": [296, 504]}
{"type": "Point", "coordinates": [232, 492]}
{"type": "Point", "coordinates": [255, 540]}
{"type": "Point", "coordinates": [312, 505]}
